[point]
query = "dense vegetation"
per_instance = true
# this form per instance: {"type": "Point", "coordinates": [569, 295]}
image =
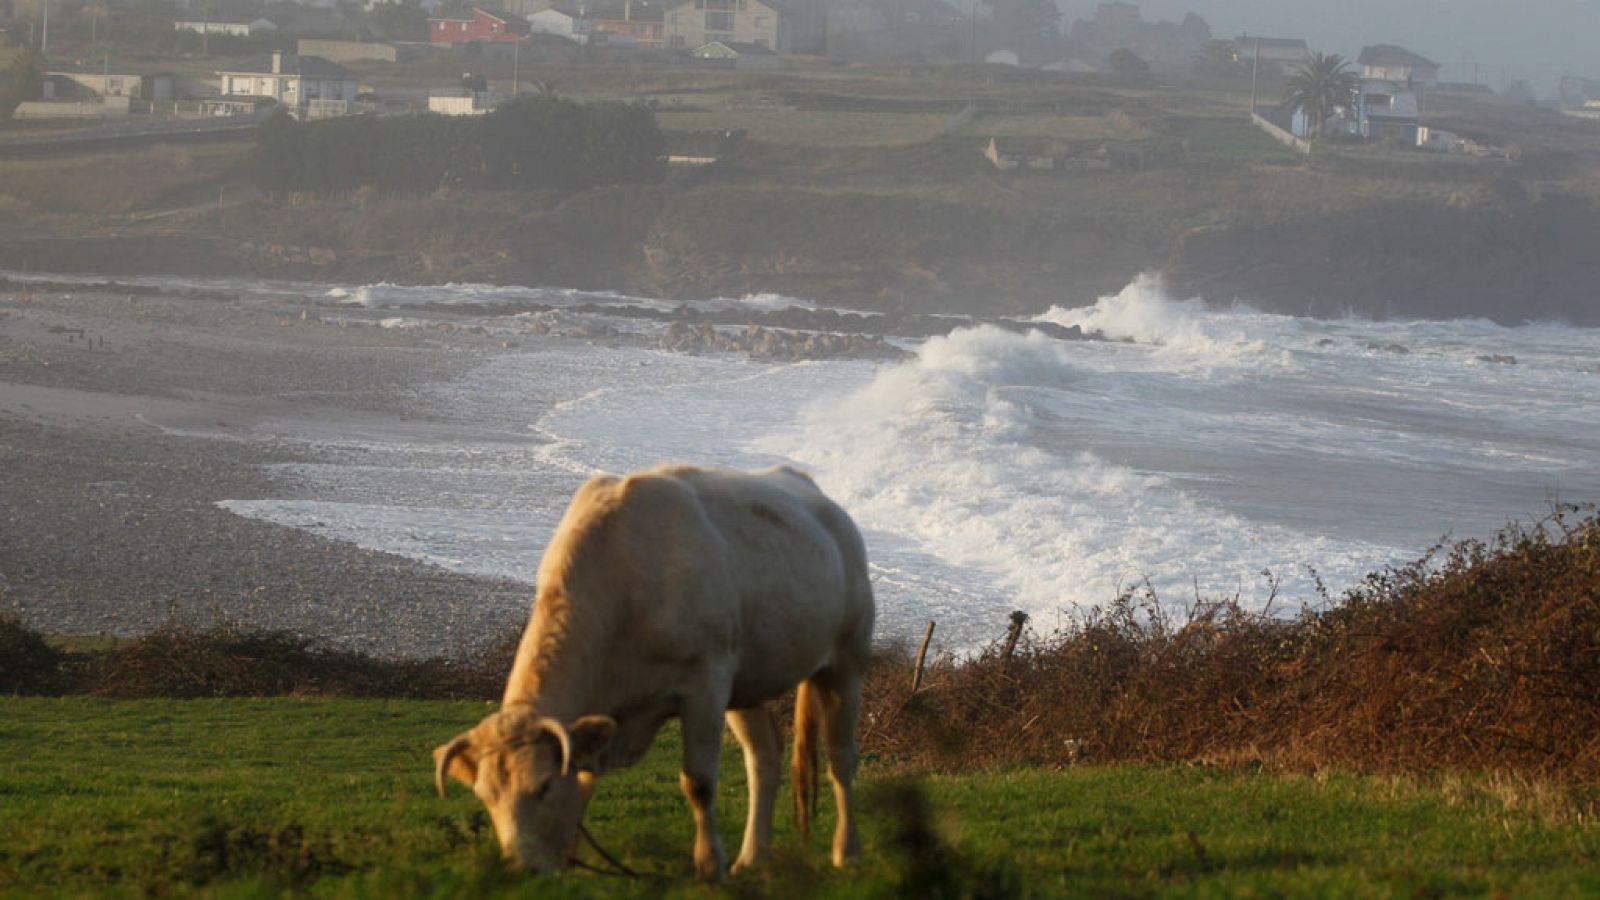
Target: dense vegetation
{"type": "Point", "coordinates": [21, 81]}
{"type": "Point", "coordinates": [1484, 657]}
{"type": "Point", "coordinates": [531, 142]}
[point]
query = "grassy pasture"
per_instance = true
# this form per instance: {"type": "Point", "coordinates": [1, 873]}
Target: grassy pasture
{"type": "Point", "coordinates": [813, 128]}
{"type": "Point", "coordinates": [122, 181]}
{"type": "Point", "coordinates": [254, 797]}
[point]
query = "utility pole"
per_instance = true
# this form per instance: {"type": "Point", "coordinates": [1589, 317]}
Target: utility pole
{"type": "Point", "coordinates": [1255, 71]}
{"type": "Point", "coordinates": [44, 38]}
{"type": "Point", "coordinates": [516, 49]}
{"type": "Point", "coordinates": [972, 74]}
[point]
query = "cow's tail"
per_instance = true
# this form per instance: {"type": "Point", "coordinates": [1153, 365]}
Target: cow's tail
{"type": "Point", "coordinates": [807, 711]}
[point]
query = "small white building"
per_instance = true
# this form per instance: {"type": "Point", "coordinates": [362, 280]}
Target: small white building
{"type": "Point", "coordinates": [289, 78]}
{"type": "Point", "coordinates": [561, 23]}
{"type": "Point", "coordinates": [64, 84]}
{"type": "Point", "coordinates": [1589, 110]}
{"type": "Point", "coordinates": [234, 27]}
{"type": "Point", "coordinates": [476, 104]}
{"type": "Point", "coordinates": [739, 54]}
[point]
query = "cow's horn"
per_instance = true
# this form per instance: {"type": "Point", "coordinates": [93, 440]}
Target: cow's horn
{"type": "Point", "coordinates": [555, 727]}
{"type": "Point", "coordinates": [450, 751]}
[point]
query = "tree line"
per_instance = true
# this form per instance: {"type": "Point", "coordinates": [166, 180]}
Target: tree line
{"type": "Point", "coordinates": [527, 143]}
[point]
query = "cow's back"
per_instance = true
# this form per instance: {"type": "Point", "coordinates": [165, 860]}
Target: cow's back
{"type": "Point", "coordinates": [760, 571]}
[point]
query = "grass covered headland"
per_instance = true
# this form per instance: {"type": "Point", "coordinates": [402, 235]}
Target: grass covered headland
{"type": "Point", "coordinates": [1460, 695]}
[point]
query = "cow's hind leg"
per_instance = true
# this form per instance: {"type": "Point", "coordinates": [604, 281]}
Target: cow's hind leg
{"type": "Point", "coordinates": [702, 756]}
{"type": "Point", "coordinates": [757, 732]}
{"type": "Point", "coordinates": [840, 694]}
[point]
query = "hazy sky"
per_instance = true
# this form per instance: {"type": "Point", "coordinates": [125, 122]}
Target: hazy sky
{"type": "Point", "coordinates": [1534, 39]}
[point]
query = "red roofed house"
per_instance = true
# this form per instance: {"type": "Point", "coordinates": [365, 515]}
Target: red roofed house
{"type": "Point", "coordinates": [483, 23]}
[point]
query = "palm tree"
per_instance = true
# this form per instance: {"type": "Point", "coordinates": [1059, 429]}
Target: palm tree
{"type": "Point", "coordinates": [1321, 85]}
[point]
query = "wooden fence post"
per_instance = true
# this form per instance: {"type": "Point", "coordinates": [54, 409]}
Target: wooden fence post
{"type": "Point", "coordinates": [922, 657]}
{"type": "Point", "coordinates": [1018, 619]}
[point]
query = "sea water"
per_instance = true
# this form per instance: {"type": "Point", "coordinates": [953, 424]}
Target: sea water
{"type": "Point", "coordinates": [1195, 452]}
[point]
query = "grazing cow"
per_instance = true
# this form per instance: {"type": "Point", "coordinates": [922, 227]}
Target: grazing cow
{"type": "Point", "coordinates": [699, 594]}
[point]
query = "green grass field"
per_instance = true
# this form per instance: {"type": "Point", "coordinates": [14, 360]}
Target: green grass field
{"type": "Point", "coordinates": [254, 797]}
{"type": "Point", "coordinates": [813, 128]}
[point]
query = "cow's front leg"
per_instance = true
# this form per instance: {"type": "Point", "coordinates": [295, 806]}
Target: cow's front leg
{"type": "Point", "coordinates": [702, 755]}
{"type": "Point", "coordinates": [757, 731]}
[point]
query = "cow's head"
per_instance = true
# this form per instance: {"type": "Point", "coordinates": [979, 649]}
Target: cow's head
{"type": "Point", "coordinates": [530, 771]}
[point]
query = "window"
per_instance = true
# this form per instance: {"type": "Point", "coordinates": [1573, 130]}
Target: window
{"type": "Point", "coordinates": [761, 22]}
{"type": "Point", "coordinates": [719, 21]}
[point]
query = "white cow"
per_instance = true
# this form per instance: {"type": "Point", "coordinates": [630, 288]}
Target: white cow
{"type": "Point", "coordinates": [687, 593]}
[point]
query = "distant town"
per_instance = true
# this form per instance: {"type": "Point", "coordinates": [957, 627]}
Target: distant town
{"type": "Point", "coordinates": [884, 154]}
{"type": "Point", "coordinates": [122, 59]}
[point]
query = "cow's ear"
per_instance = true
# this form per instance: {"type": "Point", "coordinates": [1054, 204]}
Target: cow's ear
{"type": "Point", "coordinates": [458, 758]}
{"type": "Point", "coordinates": [590, 736]}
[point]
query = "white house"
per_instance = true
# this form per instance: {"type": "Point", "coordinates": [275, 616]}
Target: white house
{"type": "Point", "coordinates": [236, 27]}
{"type": "Point", "coordinates": [1386, 62]}
{"type": "Point", "coordinates": [560, 22]}
{"type": "Point", "coordinates": [695, 23]}
{"type": "Point", "coordinates": [1380, 110]}
{"type": "Point", "coordinates": [292, 80]}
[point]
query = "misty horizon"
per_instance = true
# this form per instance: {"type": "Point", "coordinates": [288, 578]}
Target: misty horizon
{"type": "Point", "coordinates": [1477, 40]}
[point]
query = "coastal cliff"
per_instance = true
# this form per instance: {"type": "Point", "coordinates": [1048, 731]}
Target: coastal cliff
{"type": "Point", "coordinates": [1297, 241]}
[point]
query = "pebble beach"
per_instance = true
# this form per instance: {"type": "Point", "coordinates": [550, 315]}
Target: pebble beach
{"type": "Point", "coordinates": [122, 425]}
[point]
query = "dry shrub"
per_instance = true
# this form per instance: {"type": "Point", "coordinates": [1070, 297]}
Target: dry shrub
{"type": "Point", "coordinates": [226, 662]}
{"type": "Point", "coordinates": [1480, 656]}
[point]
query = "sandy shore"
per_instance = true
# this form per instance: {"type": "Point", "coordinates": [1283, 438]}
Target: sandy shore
{"type": "Point", "coordinates": [116, 413]}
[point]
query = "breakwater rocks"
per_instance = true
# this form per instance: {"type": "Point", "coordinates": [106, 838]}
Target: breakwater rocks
{"type": "Point", "coordinates": [800, 333]}
{"type": "Point", "coordinates": [777, 345]}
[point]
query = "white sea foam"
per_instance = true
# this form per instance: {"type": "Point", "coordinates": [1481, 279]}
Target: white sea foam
{"type": "Point", "coordinates": [943, 449]}
{"type": "Point", "coordinates": [995, 470]}
{"type": "Point", "coordinates": [1144, 313]}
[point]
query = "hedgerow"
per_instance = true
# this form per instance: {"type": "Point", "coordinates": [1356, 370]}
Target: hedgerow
{"type": "Point", "coordinates": [537, 141]}
{"type": "Point", "coordinates": [1482, 656]}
